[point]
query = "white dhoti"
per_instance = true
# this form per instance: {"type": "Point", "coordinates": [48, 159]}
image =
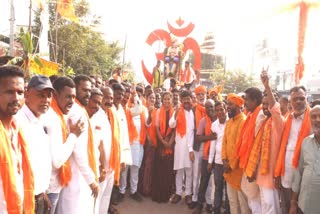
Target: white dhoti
{"type": "Point", "coordinates": [251, 190]}
{"type": "Point", "coordinates": [270, 202]}
{"type": "Point", "coordinates": [103, 199]}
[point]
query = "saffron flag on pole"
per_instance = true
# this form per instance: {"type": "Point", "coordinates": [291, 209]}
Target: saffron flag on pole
{"type": "Point", "coordinates": [66, 9]}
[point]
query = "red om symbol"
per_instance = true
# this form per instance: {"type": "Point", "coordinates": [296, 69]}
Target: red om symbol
{"type": "Point", "coordinates": [162, 35]}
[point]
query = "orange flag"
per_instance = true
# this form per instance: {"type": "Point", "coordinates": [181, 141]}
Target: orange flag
{"type": "Point", "coordinates": [66, 9]}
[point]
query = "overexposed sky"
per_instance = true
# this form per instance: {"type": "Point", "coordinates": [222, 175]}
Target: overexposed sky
{"type": "Point", "coordinates": [237, 26]}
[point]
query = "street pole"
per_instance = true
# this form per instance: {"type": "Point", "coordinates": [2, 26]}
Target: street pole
{"type": "Point", "coordinates": [12, 19]}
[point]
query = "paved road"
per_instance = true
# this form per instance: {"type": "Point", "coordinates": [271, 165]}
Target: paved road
{"type": "Point", "coordinates": [147, 206]}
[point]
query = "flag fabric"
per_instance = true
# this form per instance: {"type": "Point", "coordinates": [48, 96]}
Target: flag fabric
{"type": "Point", "coordinates": [66, 9]}
{"type": "Point", "coordinates": [39, 4]}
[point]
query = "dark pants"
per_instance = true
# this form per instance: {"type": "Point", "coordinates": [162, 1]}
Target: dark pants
{"type": "Point", "coordinates": [285, 197]}
{"type": "Point", "coordinates": [220, 185]}
{"type": "Point", "coordinates": [41, 206]}
{"type": "Point", "coordinates": [204, 181]}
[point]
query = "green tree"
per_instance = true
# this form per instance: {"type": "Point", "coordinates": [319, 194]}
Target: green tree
{"type": "Point", "coordinates": [79, 47]}
{"type": "Point", "coordinates": [232, 81]}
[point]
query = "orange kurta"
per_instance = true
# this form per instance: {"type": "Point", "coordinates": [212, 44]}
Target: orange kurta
{"type": "Point", "coordinates": [229, 146]}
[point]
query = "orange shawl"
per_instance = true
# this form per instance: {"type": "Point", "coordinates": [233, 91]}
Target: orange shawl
{"type": "Point", "coordinates": [163, 124]}
{"type": "Point", "coordinates": [246, 138]}
{"type": "Point", "coordinates": [206, 146]}
{"type": "Point", "coordinates": [304, 131]}
{"type": "Point", "coordinates": [152, 129]}
{"type": "Point", "coordinates": [114, 160]}
{"type": "Point", "coordinates": [65, 173]}
{"type": "Point", "coordinates": [200, 112]}
{"type": "Point", "coordinates": [186, 76]}
{"type": "Point", "coordinates": [91, 154]}
{"type": "Point", "coordinates": [260, 150]}
{"type": "Point", "coordinates": [12, 197]}
{"type": "Point", "coordinates": [133, 132]}
{"type": "Point", "coordinates": [181, 127]}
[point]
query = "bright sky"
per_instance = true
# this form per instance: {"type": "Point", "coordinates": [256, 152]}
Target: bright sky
{"type": "Point", "coordinates": [237, 26]}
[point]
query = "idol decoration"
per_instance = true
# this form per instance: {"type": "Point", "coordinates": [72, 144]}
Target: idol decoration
{"type": "Point", "coordinates": [174, 52]}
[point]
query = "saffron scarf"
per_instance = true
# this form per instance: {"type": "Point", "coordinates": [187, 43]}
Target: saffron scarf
{"type": "Point", "coordinates": [246, 137]}
{"type": "Point", "coordinates": [12, 197]}
{"type": "Point", "coordinates": [91, 154]}
{"type": "Point", "coordinates": [65, 173]}
{"type": "Point", "coordinates": [305, 130]}
{"type": "Point", "coordinates": [200, 112]}
{"type": "Point", "coordinates": [260, 150]}
{"type": "Point", "coordinates": [181, 127]}
{"type": "Point", "coordinates": [206, 146]}
{"type": "Point", "coordinates": [152, 128]}
{"type": "Point", "coordinates": [163, 121]}
{"type": "Point", "coordinates": [186, 76]}
{"type": "Point", "coordinates": [133, 132]}
{"type": "Point", "coordinates": [114, 160]}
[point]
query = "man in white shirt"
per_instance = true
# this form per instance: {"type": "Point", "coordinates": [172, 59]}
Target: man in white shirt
{"type": "Point", "coordinates": [215, 160]}
{"type": "Point", "coordinates": [13, 149]}
{"type": "Point", "coordinates": [63, 135]}
{"type": "Point", "coordinates": [77, 196]}
{"type": "Point", "coordinates": [183, 121]}
{"type": "Point", "coordinates": [30, 119]}
{"type": "Point", "coordinates": [102, 140]}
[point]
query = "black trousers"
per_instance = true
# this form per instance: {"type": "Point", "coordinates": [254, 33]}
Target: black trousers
{"type": "Point", "coordinates": [41, 205]}
{"type": "Point", "coordinates": [204, 181]}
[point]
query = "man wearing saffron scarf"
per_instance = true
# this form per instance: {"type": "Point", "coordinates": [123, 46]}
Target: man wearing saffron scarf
{"type": "Point", "coordinates": [102, 140]}
{"type": "Point", "coordinates": [265, 150]}
{"type": "Point", "coordinates": [198, 146]}
{"type": "Point", "coordinates": [305, 186]}
{"type": "Point", "coordinates": [114, 161]}
{"type": "Point", "coordinates": [232, 171]}
{"type": "Point", "coordinates": [204, 136]}
{"type": "Point", "coordinates": [16, 177]}
{"type": "Point", "coordinates": [136, 115]}
{"type": "Point", "coordinates": [297, 127]}
{"type": "Point", "coordinates": [32, 120]}
{"type": "Point", "coordinates": [63, 135]}
{"type": "Point", "coordinates": [125, 148]}
{"type": "Point", "coordinates": [183, 121]}
{"type": "Point", "coordinates": [250, 129]}
{"type": "Point", "coordinates": [76, 197]}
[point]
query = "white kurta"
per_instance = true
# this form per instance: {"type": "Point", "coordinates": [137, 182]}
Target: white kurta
{"type": "Point", "coordinates": [184, 144]}
{"type": "Point", "coordinates": [60, 151]}
{"type": "Point", "coordinates": [125, 149]}
{"type": "Point", "coordinates": [76, 197]}
{"type": "Point", "coordinates": [39, 147]}
{"type": "Point", "coordinates": [102, 133]}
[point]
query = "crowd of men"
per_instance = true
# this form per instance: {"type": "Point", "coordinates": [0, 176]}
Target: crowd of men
{"type": "Point", "coordinates": [71, 146]}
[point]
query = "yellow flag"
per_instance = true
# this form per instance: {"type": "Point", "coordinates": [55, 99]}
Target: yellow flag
{"type": "Point", "coordinates": [66, 9]}
{"type": "Point", "coordinates": [49, 68]}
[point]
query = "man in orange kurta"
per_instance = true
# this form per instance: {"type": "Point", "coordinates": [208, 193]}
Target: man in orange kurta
{"type": "Point", "coordinates": [264, 152]}
{"type": "Point", "coordinates": [233, 174]}
{"type": "Point", "coordinates": [16, 177]}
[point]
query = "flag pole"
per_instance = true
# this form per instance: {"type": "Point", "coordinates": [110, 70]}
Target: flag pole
{"type": "Point", "coordinates": [12, 19]}
{"type": "Point", "coordinates": [124, 54]}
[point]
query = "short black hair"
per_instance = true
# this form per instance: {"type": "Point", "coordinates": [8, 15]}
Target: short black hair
{"type": "Point", "coordinates": [81, 77]}
{"type": "Point", "coordinates": [11, 71]}
{"type": "Point", "coordinates": [297, 88]}
{"type": "Point", "coordinates": [112, 81]}
{"type": "Point", "coordinates": [185, 93]}
{"type": "Point", "coordinates": [139, 89]}
{"type": "Point", "coordinates": [61, 82]}
{"type": "Point", "coordinates": [254, 94]}
{"type": "Point", "coordinates": [117, 86]}
{"type": "Point", "coordinates": [219, 103]}
{"type": "Point", "coordinates": [315, 103]}
{"type": "Point", "coordinates": [53, 78]}
{"type": "Point", "coordinates": [174, 90]}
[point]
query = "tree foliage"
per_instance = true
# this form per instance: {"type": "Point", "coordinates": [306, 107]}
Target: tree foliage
{"type": "Point", "coordinates": [232, 81]}
{"type": "Point", "coordinates": [78, 46]}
